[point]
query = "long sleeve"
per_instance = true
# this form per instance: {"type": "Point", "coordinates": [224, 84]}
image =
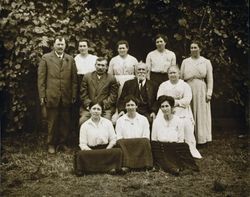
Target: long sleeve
{"type": "Point", "coordinates": [111, 67]}
{"type": "Point", "coordinates": [83, 139]}
{"type": "Point", "coordinates": [161, 91]}
{"type": "Point", "coordinates": [112, 98]}
{"type": "Point", "coordinates": [74, 80]}
{"type": "Point", "coordinates": [148, 63]}
{"type": "Point", "coordinates": [187, 97]}
{"type": "Point", "coordinates": [173, 61]}
{"type": "Point", "coordinates": [180, 131]}
{"type": "Point", "coordinates": [154, 131]}
{"type": "Point", "coordinates": [209, 78]}
{"type": "Point", "coordinates": [146, 131]}
{"type": "Point", "coordinates": [118, 129]}
{"type": "Point", "coordinates": [182, 69]}
{"type": "Point", "coordinates": [112, 136]}
{"type": "Point", "coordinates": [84, 95]}
{"type": "Point", "coordinates": [42, 75]}
{"type": "Point", "coordinates": [120, 103]}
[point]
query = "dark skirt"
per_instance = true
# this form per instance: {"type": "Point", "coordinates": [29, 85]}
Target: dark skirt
{"type": "Point", "coordinates": [97, 160]}
{"type": "Point", "coordinates": [173, 157]}
{"type": "Point", "coordinates": [158, 78]}
{"type": "Point", "coordinates": [136, 153]}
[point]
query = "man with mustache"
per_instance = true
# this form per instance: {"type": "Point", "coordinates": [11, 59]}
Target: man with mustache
{"type": "Point", "coordinates": [57, 87]}
{"type": "Point", "coordinates": [98, 86]}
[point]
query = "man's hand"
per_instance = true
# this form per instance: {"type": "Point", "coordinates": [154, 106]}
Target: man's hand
{"type": "Point", "coordinates": [43, 101]}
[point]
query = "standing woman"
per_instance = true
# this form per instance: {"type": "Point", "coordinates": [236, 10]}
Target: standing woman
{"type": "Point", "coordinates": [197, 71]}
{"type": "Point", "coordinates": [159, 60]}
{"type": "Point", "coordinates": [122, 66]}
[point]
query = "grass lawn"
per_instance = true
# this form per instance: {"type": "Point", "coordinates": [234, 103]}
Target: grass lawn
{"type": "Point", "coordinates": [28, 170]}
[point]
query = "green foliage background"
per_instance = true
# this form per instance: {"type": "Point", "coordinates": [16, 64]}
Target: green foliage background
{"type": "Point", "coordinates": [28, 29]}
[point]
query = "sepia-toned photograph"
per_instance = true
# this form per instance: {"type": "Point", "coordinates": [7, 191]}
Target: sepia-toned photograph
{"type": "Point", "coordinates": [144, 98]}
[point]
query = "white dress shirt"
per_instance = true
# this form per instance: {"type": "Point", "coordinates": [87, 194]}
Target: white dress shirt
{"type": "Point", "coordinates": [137, 127]}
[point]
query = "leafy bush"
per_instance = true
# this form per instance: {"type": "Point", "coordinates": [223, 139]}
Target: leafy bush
{"type": "Point", "coordinates": [28, 29]}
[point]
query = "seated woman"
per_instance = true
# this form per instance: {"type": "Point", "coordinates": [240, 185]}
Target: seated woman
{"type": "Point", "coordinates": [168, 147]}
{"type": "Point", "coordinates": [133, 137]}
{"type": "Point", "coordinates": [97, 137]}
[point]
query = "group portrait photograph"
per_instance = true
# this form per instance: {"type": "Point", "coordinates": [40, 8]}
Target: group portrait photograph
{"type": "Point", "coordinates": [124, 98]}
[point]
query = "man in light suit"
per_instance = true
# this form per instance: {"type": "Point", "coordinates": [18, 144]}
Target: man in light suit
{"type": "Point", "coordinates": [143, 89]}
{"type": "Point", "coordinates": [98, 86]}
{"type": "Point", "coordinates": [57, 86]}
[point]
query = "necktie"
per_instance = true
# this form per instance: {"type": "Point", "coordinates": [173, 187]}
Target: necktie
{"type": "Point", "coordinates": [140, 85]}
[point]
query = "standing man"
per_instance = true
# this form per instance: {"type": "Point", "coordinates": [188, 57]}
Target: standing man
{"type": "Point", "coordinates": [57, 86]}
{"type": "Point", "coordinates": [144, 90]}
{"type": "Point", "coordinates": [98, 86]}
{"type": "Point", "coordinates": [160, 60]}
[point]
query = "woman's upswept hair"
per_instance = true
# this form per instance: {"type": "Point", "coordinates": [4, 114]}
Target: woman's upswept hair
{"type": "Point", "coordinates": [164, 98]}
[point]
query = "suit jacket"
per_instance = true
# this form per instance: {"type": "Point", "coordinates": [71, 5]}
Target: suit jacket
{"type": "Point", "coordinates": [104, 89]}
{"type": "Point", "coordinates": [131, 87]}
{"type": "Point", "coordinates": [57, 79]}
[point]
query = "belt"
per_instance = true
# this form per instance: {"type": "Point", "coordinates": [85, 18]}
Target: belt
{"type": "Point", "coordinates": [191, 79]}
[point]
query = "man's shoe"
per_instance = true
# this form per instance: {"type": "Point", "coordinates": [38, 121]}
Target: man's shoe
{"type": "Point", "coordinates": [125, 170]}
{"type": "Point", "coordinates": [51, 149]}
{"type": "Point", "coordinates": [112, 172]}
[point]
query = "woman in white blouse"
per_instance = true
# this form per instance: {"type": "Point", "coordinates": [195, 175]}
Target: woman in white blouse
{"type": "Point", "coordinates": [96, 130]}
{"type": "Point", "coordinates": [168, 147]}
{"type": "Point", "coordinates": [132, 124]}
{"type": "Point", "coordinates": [133, 136]}
{"type": "Point", "coordinates": [182, 94]}
{"type": "Point", "coordinates": [97, 137]}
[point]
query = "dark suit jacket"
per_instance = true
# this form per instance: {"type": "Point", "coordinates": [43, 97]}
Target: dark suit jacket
{"type": "Point", "coordinates": [57, 79]}
{"type": "Point", "coordinates": [131, 87]}
{"type": "Point", "coordinates": [104, 89]}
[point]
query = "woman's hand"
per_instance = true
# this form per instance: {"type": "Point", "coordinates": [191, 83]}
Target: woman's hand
{"type": "Point", "coordinates": [208, 98]}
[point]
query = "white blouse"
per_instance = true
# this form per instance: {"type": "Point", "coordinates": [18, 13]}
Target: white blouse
{"type": "Point", "coordinates": [168, 131]}
{"type": "Point", "coordinates": [85, 64]}
{"type": "Point", "coordinates": [160, 61]}
{"type": "Point", "coordinates": [182, 94]}
{"type": "Point", "coordinates": [122, 66]}
{"type": "Point", "coordinates": [137, 127]}
{"type": "Point", "coordinates": [93, 135]}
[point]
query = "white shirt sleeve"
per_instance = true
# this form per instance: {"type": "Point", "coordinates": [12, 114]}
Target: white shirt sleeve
{"type": "Point", "coordinates": [83, 138]}
{"type": "Point", "coordinates": [146, 131]}
{"type": "Point", "coordinates": [118, 129]}
{"type": "Point", "coordinates": [112, 136]}
{"type": "Point", "coordinates": [154, 131]}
